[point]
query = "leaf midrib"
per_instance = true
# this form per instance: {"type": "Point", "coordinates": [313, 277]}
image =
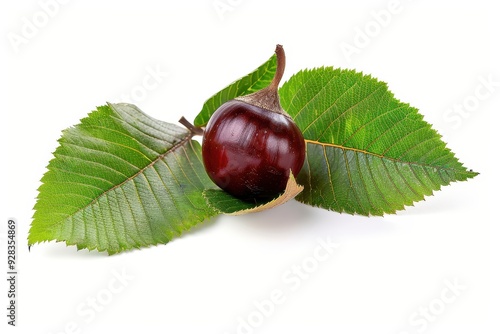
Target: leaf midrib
{"type": "Point", "coordinates": [181, 143]}
{"type": "Point", "coordinates": [381, 156]}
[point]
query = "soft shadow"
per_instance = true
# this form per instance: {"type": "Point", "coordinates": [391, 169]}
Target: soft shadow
{"type": "Point", "coordinates": [296, 218]}
{"type": "Point", "coordinates": [290, 216]}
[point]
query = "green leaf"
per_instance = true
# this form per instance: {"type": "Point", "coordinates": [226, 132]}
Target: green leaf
{"type": "Point", "coordinates": [367, 152]}
{"type": "Point", "coordinates": [252, 82]}
{"type": "Point", "coordinates": [120, 180]}
{"type": "Point", "coordinates": [224, 203]}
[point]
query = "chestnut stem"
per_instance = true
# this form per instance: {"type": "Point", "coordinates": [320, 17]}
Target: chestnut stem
{"type": "Point", "coordinates": [280, 67]}
{"type": "Point", "coordinates": [194, 129]}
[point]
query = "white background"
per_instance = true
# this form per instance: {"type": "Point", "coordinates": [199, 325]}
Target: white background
{"type": "Point", "coordinates": [386, 272]}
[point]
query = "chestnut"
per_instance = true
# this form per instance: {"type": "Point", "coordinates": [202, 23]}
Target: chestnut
{"type": "Point", "coordinates": [251, 144]}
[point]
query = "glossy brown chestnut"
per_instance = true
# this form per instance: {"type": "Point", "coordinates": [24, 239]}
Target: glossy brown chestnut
{"type": "Point", "coordinates": [251, 144]}
{"type": "Point", "coordinates": [249, 151]}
